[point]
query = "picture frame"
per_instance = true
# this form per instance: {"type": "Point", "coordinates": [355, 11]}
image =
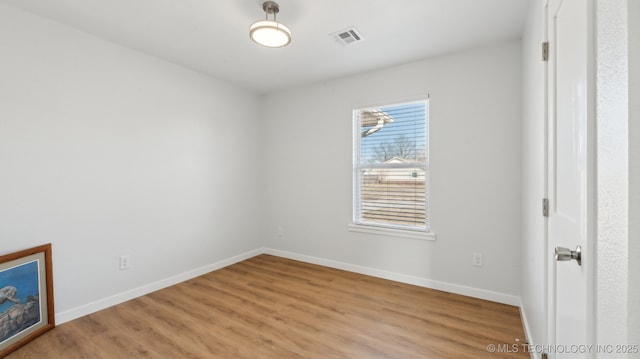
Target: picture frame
{"type": "Point", "coordinates": [26, 297]}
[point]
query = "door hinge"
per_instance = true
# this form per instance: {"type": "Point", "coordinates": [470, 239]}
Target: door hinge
{"type": "Point", "coordinates": [545, 207]}
{"type": "Point", "coordinates": [545, 51]}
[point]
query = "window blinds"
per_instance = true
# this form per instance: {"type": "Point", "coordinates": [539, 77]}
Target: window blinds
{"type": "Point", "coordinates": [391, 166]}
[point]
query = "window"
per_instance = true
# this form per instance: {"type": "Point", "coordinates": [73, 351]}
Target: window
{"type": "Point", "coordinates": [391, 166]}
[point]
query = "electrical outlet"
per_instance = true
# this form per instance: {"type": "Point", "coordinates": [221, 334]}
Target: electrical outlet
{"type": "Point", "coordinates": [477, 259]}
{"type": "Point", "coordinates": [125, 262]}
{"type": "Point", "coordinates": [280, 231]}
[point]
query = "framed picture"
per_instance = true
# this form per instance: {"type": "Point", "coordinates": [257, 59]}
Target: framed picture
{"type": "Point", "coordinates": [26, 297]}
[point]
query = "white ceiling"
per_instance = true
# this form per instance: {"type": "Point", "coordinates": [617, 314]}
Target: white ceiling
{"type": "Point", "coordinates": [211, 36]}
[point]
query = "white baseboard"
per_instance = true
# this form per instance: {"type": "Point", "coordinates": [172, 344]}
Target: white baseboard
{"type": "Point", "coordinates": [527, 330]}
{"type": "Point", "coordinates": [148, 288]}
{"type": "Point", "coordinates": [104, 303]}
{"type": "Point", "coordinates": [403, 278]}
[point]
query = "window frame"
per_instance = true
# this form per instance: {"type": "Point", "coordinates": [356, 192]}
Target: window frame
{"type": "Point", "coordinates": [387, 229]}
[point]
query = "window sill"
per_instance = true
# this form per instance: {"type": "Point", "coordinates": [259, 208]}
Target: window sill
{"type": "Point", "coordinates": [391, 232]}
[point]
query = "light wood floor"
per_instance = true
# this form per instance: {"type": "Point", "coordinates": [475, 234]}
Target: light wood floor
{"type": "Point", "coordinates": [270, 307]}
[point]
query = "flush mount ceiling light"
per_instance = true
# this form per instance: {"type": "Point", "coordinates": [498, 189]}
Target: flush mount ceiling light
{"type": "Point", "coordinates": [270, 33]}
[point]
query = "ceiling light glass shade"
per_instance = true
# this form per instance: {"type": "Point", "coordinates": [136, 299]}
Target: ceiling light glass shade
{"type": "Point", "coordinates": [270, 33]}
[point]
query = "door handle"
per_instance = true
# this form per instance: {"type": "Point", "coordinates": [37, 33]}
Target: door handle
{"type": "Point", "coordinates": [566, 254]}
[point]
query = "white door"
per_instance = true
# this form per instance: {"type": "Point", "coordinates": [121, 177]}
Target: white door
{"type": "Point", "coordinates": [570, 176]}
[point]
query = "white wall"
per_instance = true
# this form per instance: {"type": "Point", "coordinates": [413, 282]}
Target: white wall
{"type": "Point", "coordinates": [612, 172]}
{"type": "Point", "coordinates": [634, 172]}
{"type": "Point", "coordinates": [475, 117]}
{"type": "Point", "coordinates": [104, 152]}
{"type": "Point", "coordinates": [534, 261]}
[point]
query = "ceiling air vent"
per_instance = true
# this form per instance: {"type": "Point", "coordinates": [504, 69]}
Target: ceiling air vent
{"type": "Point", "coordinates": [348, 36]}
